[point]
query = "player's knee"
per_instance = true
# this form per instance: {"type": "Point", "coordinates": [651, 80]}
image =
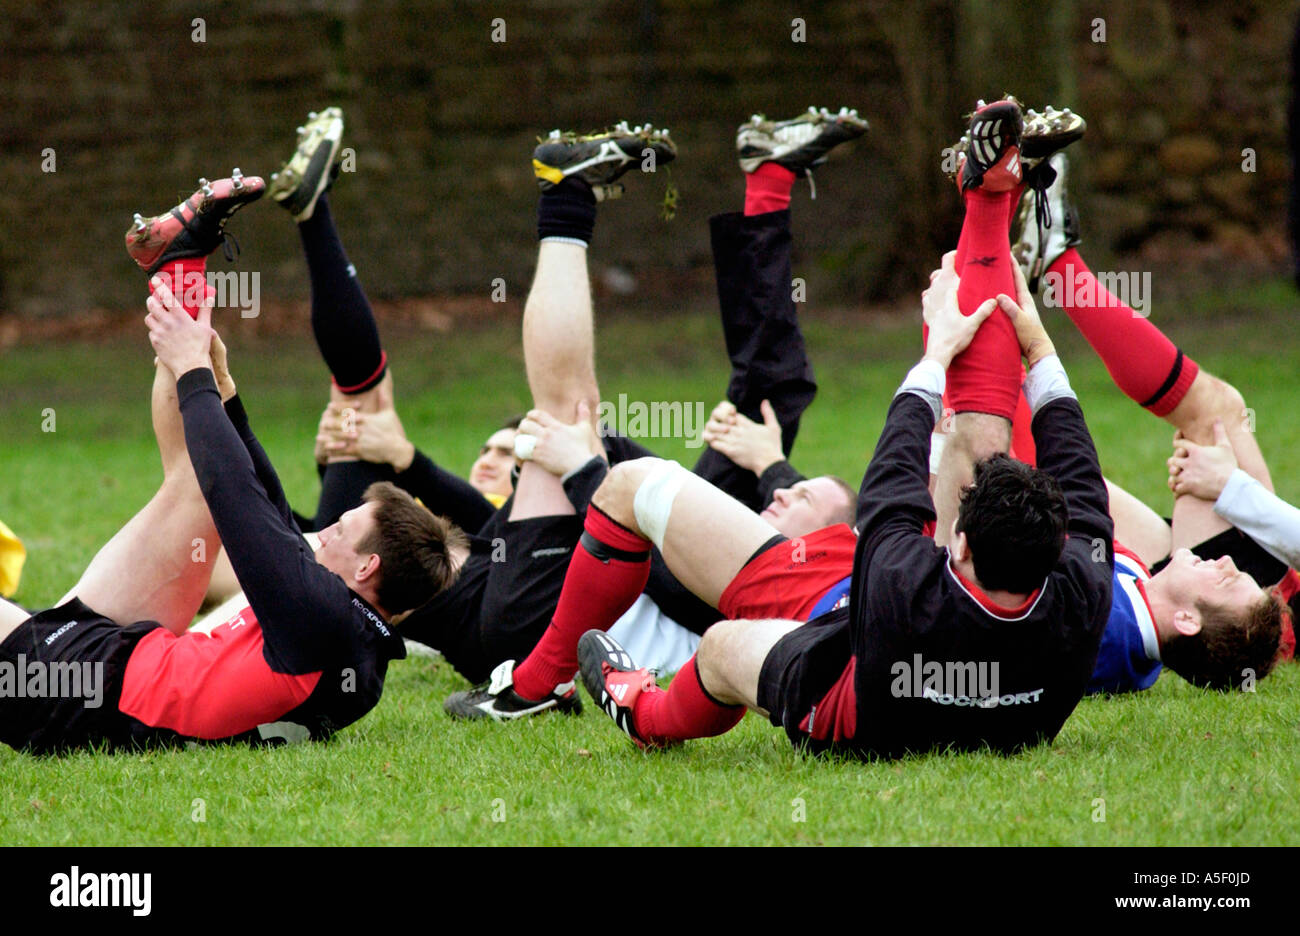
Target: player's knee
{"type": "Point", "coordinates": [716, 655]}
{"type": "Point", "coordinates": [617, 493]}
{"type": "Point", "coordinates": [639, 494]}
{"type": "Point", "coordinates": [1210, 399]}
{"type": "Point", "coordinates": [1229, 404]}
{"type": "Point", "coordinates": [980, 435]}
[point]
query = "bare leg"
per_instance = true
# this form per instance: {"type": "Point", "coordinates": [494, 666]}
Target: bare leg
{"type": "Point", "coordinates": [703, 561]}
{"type": "Point", "coordinates": [223, 584]}
{"type": "Point", "coordinates": [1137, 526]}
{"type": "Point", "coordinates": [157, 566]}
{"type": "Point", "coordinates": [731, 655]}
{"type": "Point", "coordinates": [1209, 399]}
{"type": "Point", "coordinates": [975, 436]}
{"type": "Point", "coordinates": [559, 337]}
{"type": "Point", "coordinates": [559, 355]}
{"type": "Point", "coordinates": [10, 617]}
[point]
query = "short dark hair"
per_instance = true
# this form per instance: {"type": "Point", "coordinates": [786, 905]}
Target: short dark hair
{"type": "Point", "coordinates": [1014, 517]}
{"type": "Point", "coordinates": [512, 423]}
{"type": "Point", "coordinates": [1229, 644]}
{"type": "Point", "coordinates": [414, 548]}
{"type": "Point", "coordinates": [847, 514]}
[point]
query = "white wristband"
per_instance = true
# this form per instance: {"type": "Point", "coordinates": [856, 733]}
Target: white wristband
{"type": "Point", "coordinates": [1045, 382]}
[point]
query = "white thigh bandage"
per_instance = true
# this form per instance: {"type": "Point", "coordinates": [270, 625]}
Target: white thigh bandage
{"type": "Point", "coordinates": [654, 499]}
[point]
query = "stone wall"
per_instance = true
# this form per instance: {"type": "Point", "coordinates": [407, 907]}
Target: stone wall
{"type": "Point", "coordinates": [442, 121]}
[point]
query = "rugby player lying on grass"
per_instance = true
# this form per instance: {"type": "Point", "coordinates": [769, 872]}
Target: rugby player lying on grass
{"type": "Point", "coordinates": [361, 385]}
{"type": "Point", "coordinates": [506, 596]}
{"type": "Point", "coordinates": [1203, 612]}
{"type": "Point", "coordinates": [308, 653]}
{"type": "Point", "coordinates": [1010, 589]}
{"type": "Point", "coordinates": [520, 536]}
{"type": "Point", "coordinates": [770, 372]}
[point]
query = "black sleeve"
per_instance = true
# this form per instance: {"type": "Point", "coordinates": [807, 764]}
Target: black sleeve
{"type": "Point", "coordinates": [303, 608]}
{"type": "Point", "coordinates": [895, 495]}
{"type": "Point", "coordinates": [580, 486]}
{"type": "Point", "coordinates": [445, 493]}
{"type": "Point", "coordinates": [261, 461]}
{"type": "Point", "coordinates": [1066, 452]}
{"type": "Point", "coordinates": [777, 475]}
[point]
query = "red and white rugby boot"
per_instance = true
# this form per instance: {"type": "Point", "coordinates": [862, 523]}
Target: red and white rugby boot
{"type": "Point", "coordinates": [614, 681]}
{"type": "Point", "coordinates": [991, 156]}
{"type": "Point", "coordinates": [196, 226]}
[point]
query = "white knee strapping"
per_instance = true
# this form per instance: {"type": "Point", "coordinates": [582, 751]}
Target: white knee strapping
{"type": "Point", "coordinates": [937, 441]}
{"type": "Point", "coordinates": [654, 499]}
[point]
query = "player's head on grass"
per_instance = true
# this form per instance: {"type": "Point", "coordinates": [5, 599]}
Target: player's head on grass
{"type": "Point", "coordinates": [392, 551]}
{"type": "Point", "coordinates": [1223, 630]}
{"type": "Point", "coordinates": [1012, 518]}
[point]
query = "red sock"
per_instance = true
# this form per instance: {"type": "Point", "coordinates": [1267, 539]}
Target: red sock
{"type": "Point", "coordinates": [187, 281]}
{"type": "Point", "coordinates": [985, 378]}
{"type": "Point", "coordinates": [596, 593]}
{"type": "Point", "coordinates": [767, 188]}
{"type": "Point", "coordinates": [684, 711]}
{"type": "Point", "coordinates": [1022, 433]}
{"type": "Point", "coordinates": [985, 270]}
{"type": "Point", "coordinates": [1144, 364]}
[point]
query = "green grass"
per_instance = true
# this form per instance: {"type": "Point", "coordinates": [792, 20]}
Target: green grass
{"type": "Point", "coordinates": [1173, 765]}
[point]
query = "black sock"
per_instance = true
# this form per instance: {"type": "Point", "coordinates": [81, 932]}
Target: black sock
{"type": "Point", "coordinates": [567, 210]}
{"type": "Point", "coordinates": [341, 318]}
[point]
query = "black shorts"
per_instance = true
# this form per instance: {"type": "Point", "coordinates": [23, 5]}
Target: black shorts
{"type": "Point", "coordinates": [800, 670]}
{"type": "Point", "coordinates": [523, 588]}
{"type": "Point", "coordinates": [1247, 555]}
{"type": "Point", "coordinates": [505, 596]}
{"type": "Point", "coordinates": [61, 680]}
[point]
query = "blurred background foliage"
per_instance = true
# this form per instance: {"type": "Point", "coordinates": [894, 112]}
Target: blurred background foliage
{"type": "Point", "coordinates": [442, 121]}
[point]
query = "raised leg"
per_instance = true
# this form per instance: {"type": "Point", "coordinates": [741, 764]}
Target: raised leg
{"type": "Point", "coordinates": [769, 360]}
{"type": "Point", "coordinates": [1208, 400]}
{"type": "Point", "coordinates": [642, 502]}
{"type": "Point", "coordinates": [975, 436]}
{"type": "Point", "coordinates": [559, 355]}
{"type": "Point", "coordinates": [157, 567]}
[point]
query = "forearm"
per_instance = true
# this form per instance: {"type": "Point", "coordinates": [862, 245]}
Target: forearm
{"type": "Point", "coordinates": [1261, 515]}
{"type": "Point", "coordinates": [1065, 449]}
{"type": "Point", "coordinates": [445, 493]}
{"type": "Point", "coordinates": [270, 558]}
{"type": "Point", "coordinates": [896, 486]}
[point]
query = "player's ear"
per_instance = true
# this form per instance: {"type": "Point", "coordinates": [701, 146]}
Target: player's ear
{"type": "Point", "coordinates": [368, 569]}
{"type": "Point", "coordinates": [958, 545]}
{"type": "Point", "coordinates": [1187, 623]}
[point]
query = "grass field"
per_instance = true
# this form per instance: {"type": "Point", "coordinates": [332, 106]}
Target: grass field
{"type": "Point", "coordinates": [1172, 766]}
